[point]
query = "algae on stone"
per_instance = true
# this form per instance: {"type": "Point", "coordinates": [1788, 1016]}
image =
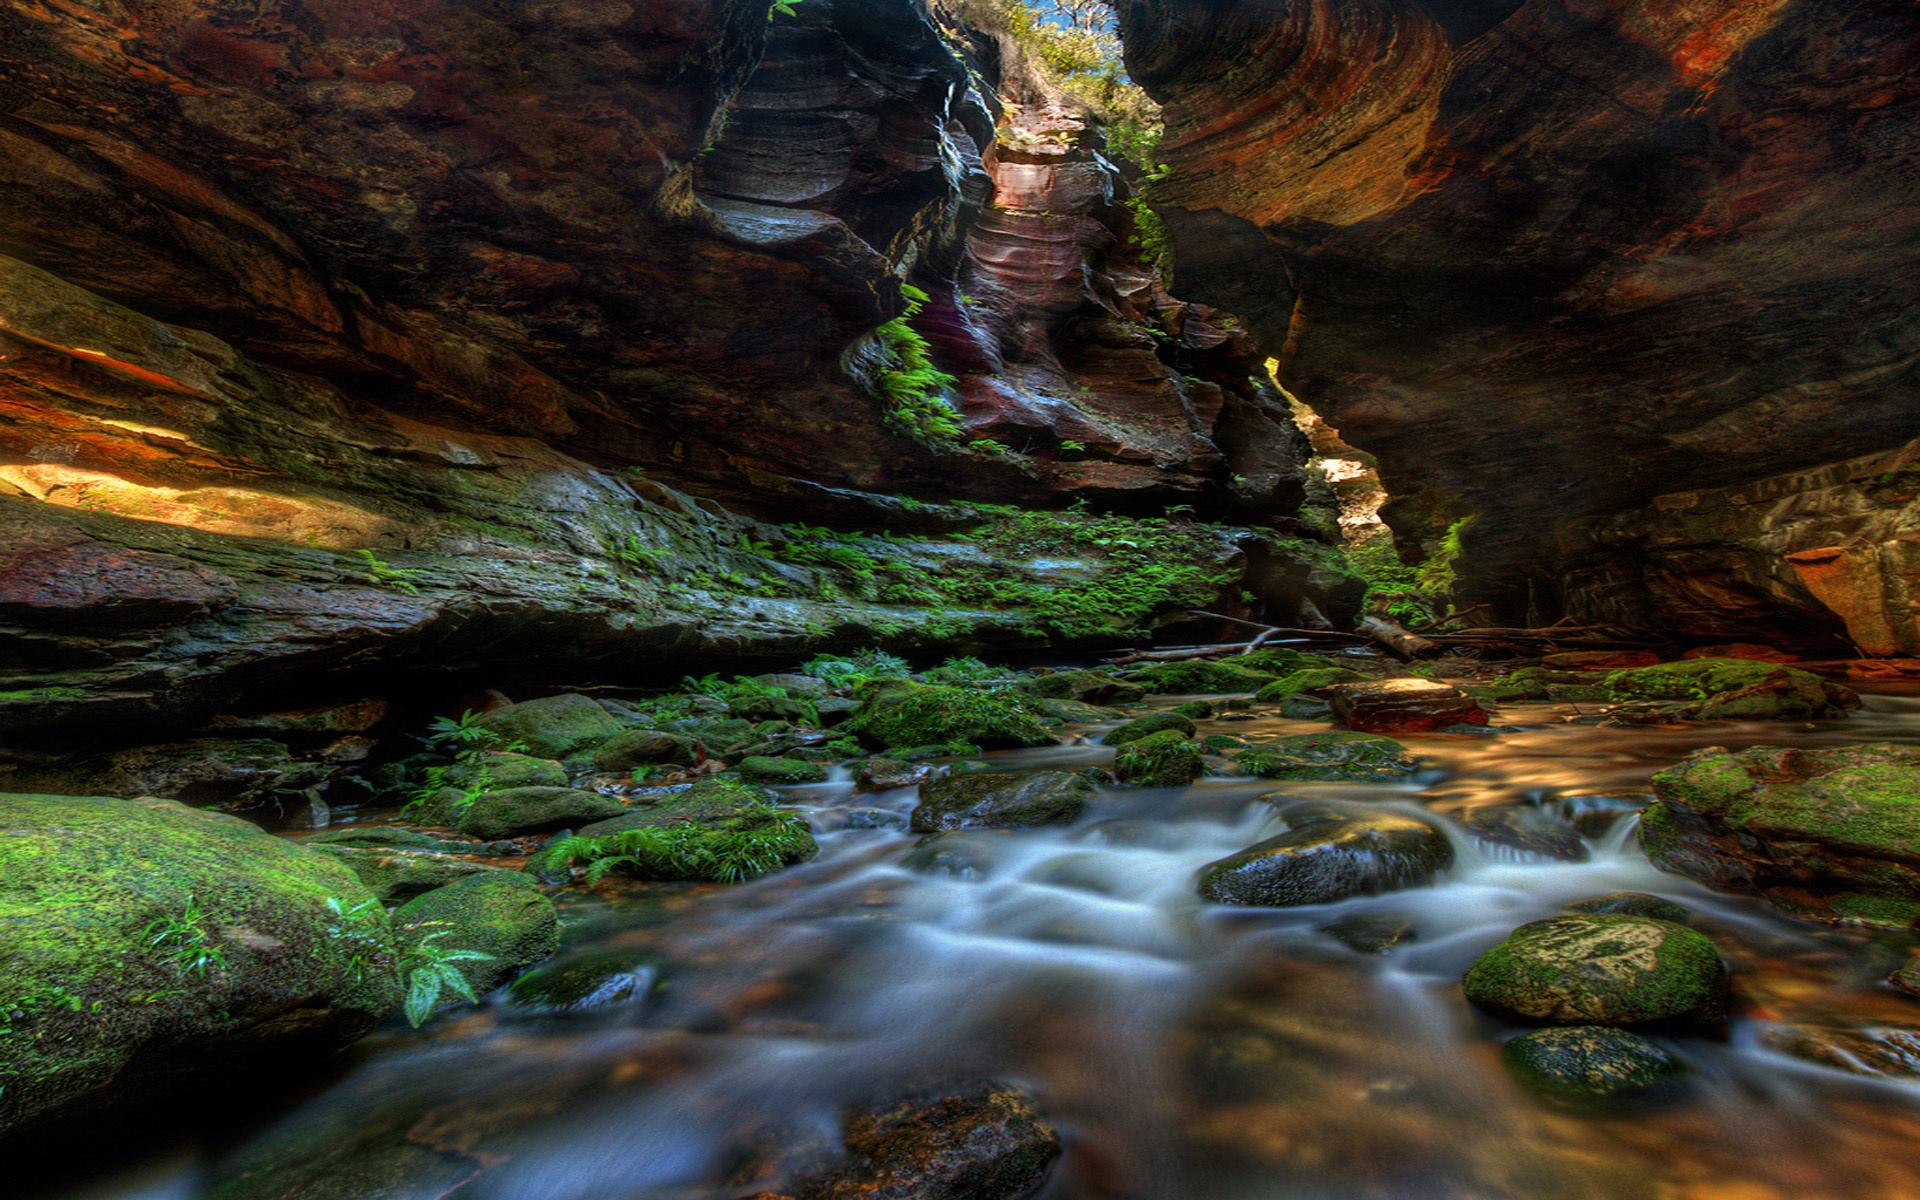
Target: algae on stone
{"type": "Point", "coordinates": [1166, 759]}
{"type": "Point", "coordinates": [897, 713]}
{"type": "Point", "coordinates": [1341, 756]}
{"type": "Point", "coordinates": [1602, 970]}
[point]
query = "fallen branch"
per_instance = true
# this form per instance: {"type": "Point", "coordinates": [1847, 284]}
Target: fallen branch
{"type": "Point", "coordinates": [1396, 638]}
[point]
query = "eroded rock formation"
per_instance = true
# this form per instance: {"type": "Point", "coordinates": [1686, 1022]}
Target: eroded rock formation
{"type": "Point", "coordinates": [1579, 267]}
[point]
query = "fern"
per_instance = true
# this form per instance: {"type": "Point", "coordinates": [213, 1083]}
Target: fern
{"type": "Point", "coordinates": [911, 385]}
{"type": "Point", "coordinates": [687, 851]}
{"type": "Point", "coordinates": [429, 970]}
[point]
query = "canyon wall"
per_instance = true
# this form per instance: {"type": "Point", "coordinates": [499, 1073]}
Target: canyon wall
{"type": "Point", "coordinates": [1581, 267]}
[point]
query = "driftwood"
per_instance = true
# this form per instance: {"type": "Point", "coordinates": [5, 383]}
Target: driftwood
{"type": "Point", "coordinates": [1396, 638]}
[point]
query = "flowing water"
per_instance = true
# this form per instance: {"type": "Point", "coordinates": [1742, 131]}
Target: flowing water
{"type": "Point", "coordinates": [1183, 1050]}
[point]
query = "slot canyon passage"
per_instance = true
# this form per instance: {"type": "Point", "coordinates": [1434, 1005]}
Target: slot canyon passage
{"type": "Point", "coordinates": [959, 599]}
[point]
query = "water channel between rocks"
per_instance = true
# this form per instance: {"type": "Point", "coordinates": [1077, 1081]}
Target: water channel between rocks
{"type": "Point", "coordinates": [1184, 1050]}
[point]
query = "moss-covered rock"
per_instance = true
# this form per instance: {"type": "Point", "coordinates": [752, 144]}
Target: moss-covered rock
{"type": "Point", "coordinates": [499, 772]}
{"type": "Point", "coordinates": [1199, 677]}
{"type": "Point", "coordinates": [1344, 757]}
{"type": "Point", "coordinates": [1602, 970]}
{"type": "Point", "coordinates": [898, 713]}
{"type": "Point", "coordinates": [1327, 860]}
{"type": "Point", "coordinates": [1147, 726]}
{"type": "Point", "coordinates": [1166, 759]}
{"type": "Point", "coordinates": [1073, 712]}
{"type": "Point", "coordinates": [141, 939]}
{"type": "Point", "coordinates": [645, 747]}
{"type": "Point", "coordinates": [999, 801]}
{"type": "Point", "coordinates": [516, 812]}
{"type": "Point", "coordinates": [1525, 828]}
{"type": "Point", "coordinates": [1194, 710]}
{"type": "Point", "coordinates": [1278, 660]}
{"type": "Point", "coordinates": [550, 727]}
{"type": "Point", "coordinates": [502, 914]}
{"type": "Point", "coordinates": [1728, 689]}
{"type": "Point", "coordinates": [1311, 680]}
{"type": "Point", "coordinates": [1632, 904]}
{"type": "Point", "coordinates": [715, 830]}
{"type": "Point", "coordinates": [397, 876]}
{"type": "Point", "coordinates": [1590, 1063]}
{"type": "Point", "coordinates": [1088, 687]}
{"type": "Point", "coordinates": [1821, 834]}
{"type": "Point", "coordinates": [780, 771]}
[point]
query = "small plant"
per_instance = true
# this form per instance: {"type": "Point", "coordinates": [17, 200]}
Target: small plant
{"type": "Point", "coordinates": [358, 928]}
{"type": "Point", "coordinates": [989, 447]}
{"type": "Point", "coordinates": [1069, 446]}
{"type": "Point", "coordinates": [632, 556]}
{"type": "Point", "coordinates": [382, 574]}
{"type": "Point", "coordinates": [912, 387]}
{"type": "Point", "coordinates": [783, 8]}
{"type": "Point", "coordinates": [182, 943]}
{"type": "Point", "coordinates": [429, 970]}
{"type": "Point", "coordinates": [689, 851]}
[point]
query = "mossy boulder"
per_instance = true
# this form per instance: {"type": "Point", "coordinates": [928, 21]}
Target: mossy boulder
{"type": "Point", "coordinates": [503, 771]}
{"type": "Point", "coordinates": [1632, 904]}
{"type": "Point", "coordinates": [1311, 680]}
{"type": "Point", "coordinates": [1591, 1064]}
{"type": "Point", "coordinates": [1278, 660]}
{"type": "Point", "coordinates": [902, 714]}
{"type": "Point", "coordinates": [551, 727]}
{"type": "Point", "coordinates": [1088, 687]}
{"type": "Point", "coordinates": [1342, 757]}
{"type": "Point", "coordinates": [646, 747]}
{"type": "Point", "coordinates": [1733, 689]}
{"type": "Point", "coordinates": [781, 771]}
{"type": "Point", "coordinates": [250, 965]}
{"type": "Point", "coordinates": [516, 812]}
{"type": "Point", "coordinates": [1199, 677]}
{"type": "Point", "coordinates": [1322, 861]}
{"type": "Point", "coordinates": [1821, 834]}
{"type": "Point", "coordinates": [1073, 712]}
{"type": "Point", "coordinates": [502, 914]}
{"type": "Point", "coordinates": [1602, 970]}
{"type": "Point", "coordinates": [717, 829]}
{"type": "Point", "coordinates": [1166, 759]}
{"type": "Point", "coordinates": [1000, 801]}
{"type": "Point", "coordinates": [1194, 710]}
{"type": "Point", "coordinates": [397, 876]}
{"type": "Point", "coordinates": [1148, 726]}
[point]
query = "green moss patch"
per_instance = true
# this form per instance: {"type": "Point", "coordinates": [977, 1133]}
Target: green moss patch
{"type": "Point", "coordinates": [901, 714]}
{"type": "Point", "coordinates": [1166, 759]}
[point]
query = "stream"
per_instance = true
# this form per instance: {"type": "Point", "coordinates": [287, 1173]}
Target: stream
{"type": "Point", "coordinates": [1183, 1050]}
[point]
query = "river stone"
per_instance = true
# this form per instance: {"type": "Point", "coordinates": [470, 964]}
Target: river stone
{"type": "Point", "coordinates": [1590, 1063]}
{"type": "Point", "coordinates": [505, 771]}
{"type": "Point", "coordinates": [97, 1008]}
{"type": "Point", "coordinates": [551, 727]}
{"type": "Point", "coordinates": [392, 837]}
{"type": "Point", "coordinates": [966, 853]}
{"type": "Point", "coordinates": [516, 812]}
{"type": "Point", "coordinates": [1338, 756]}
{"type": "Point", "coordinates": [1086, 687]}
{"type": "Point", "coordinates": [998, 801]}
{"type": "Point", "coordinates": [1729, 689]}
{"type": "Point", "coordinates": [1820, 834]}
{"type": "Point", "coordinates": [1073, 712]}
{"type": "Point", "coordinates": [1907, 979]}
{"type": "Point", "coordinates": [800, 687]}
{"type": "Point", "coordinates": [781, 771]}
{"type": "Point", "coordinates": [1147, 726]}
{"type": "Point", "coordinates": [1199, 678]}
{"type": "Point", "coordinates": [1194, 710]}
{"type": "Point", "coordinates": [1599, 660]}
{"type": "Point", "coordinates": [898, 713]}
{"type": "Point", "coordinates": [502, 914]}
{"type": "Point", "coordinates": [1278, 660]}
{"type": "Point", "coordinates": [1313, 680]}
{"type": "Point", "coordinates": [645, 747]}
{"type": "Point", "coordinates": [581, 985]}
{"type": "Point", "coordinates": [1325, 861]}
{"type": "Point", "coordinates": [1403, 706]}
{"type": "Point", "coordinates": [1521, 827]}
{"type": "Point", "coordinates": [1602, 970]}
{"type": "Point", "coordinates": [1632, 904]}
{"type": "Point", "coordinates": [1884, 1050]}
{"type": "Point", "coordinates": [1166, 759]}
{"type": "Point", "coordinates": [397, 876]}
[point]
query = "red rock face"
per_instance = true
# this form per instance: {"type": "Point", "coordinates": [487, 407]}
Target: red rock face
{"type": "Point", "coordinates": [1550, 261]}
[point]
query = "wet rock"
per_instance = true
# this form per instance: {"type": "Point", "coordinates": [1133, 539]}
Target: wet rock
{"type": "Point", "coordinates": [1594, 813]}
{"type": "Point", "coordinates": [994, 801]}
{"type": "Point", "coordinates": [1821, 834]}
{"type": "Point", "coordinates": [516, 812]}
{"type": "Point", "coordinates": [1632, 904]}
{"type": "Point", "coordinates": [1306, 708]}
{"type": "Point", "coordinates": [1725, 689]}
{"type": "Point", "coordinates": [772, 708]}
{"type": "Point", "coordinates": [1325, 861]}
{"type": "Point", "coordinates": [899, 713]}
{"type": "Point", "coordinates": [582, 985]}
{"type": "Point", "coordinates": [502, 914]}
{"type": "Point", "coordinates": [358, 716]}
{"type": "Point", "coordinates": [551, 727]}
{"type": "Point", "coordinates": [1193, 710]}
{"type": "Point", "coordinates": [1528, 829]}
{"type": "Point", "coordinates": [967, 853]}
{"type": "Point", "coordinates": [1087, 687]}
{"type": "Point", "coordinates": [1342, 757]}
{"type": "Point", "coordinates": [950, 1141]}
{"type": "Point", "coordinates": [393, 837]}
{"type": "Point", "coordinates": [1280, 661]}
{"type": "Point", "coordinates": [1166, 759]}
{"type": "Point", "coordinates": [1371, 933]}
{"type": "Point", "coordinates": [397, 876]}
{"type": "Point", "coordinates": [1403, 706]}
{"type": "Point", "coordinates": [1883, 1050]}
{"type": "Point", "coordinates": [835, 710]}
{"type": "Point", "coordinates": [1590, 1063]}
{"type": "Point", "coordinates": [1224, 743]}
{"type": "Point", "coordinates": [645, 747]}
{"type": "Point", "coordinates": [885, 774]}
{"type": "Point", "coordinates": [1315, 680]}
{"type": "Point", "coordinates": [1072, 712]}
{"type": "Point", "coordinates": [249, 961]}
{"type": "Point", "coordinates": [875, 818]}
{"type": "Point", "coordinates": [503, 772]}
{"type": "Point", "coordinates": [233, 773]}
{"type": "Point", "coordinates": [781, 771]}
{"type": "Point", "coordinates": [716, 829]}
{"type": "Point", "coordinates": [799, 687]}
{"type": "Point", "coordinates": [1602, 970]}
{"type": "Point", "coordinates": [1907, 979]}
{"type": "Point", "coordinates": [1599, 660]}
{"type": "Point", "coordinates": [1147, 726]}
{"type": "Point", "coordinates": [1199, 677]}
